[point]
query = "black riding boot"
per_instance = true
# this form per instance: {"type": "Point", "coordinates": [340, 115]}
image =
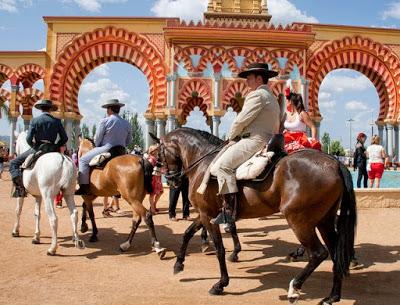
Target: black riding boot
{"type": "Point", "coordinates": [19, 189]}
{"type": "Point", "coordinates": [84, 189]}
{"type": "Point", "coordinates": [229, 210]}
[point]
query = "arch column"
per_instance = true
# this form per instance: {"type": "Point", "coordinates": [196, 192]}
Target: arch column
{"type": "Point", "coordinates": [389, 143]}
{"type": "Point", "coordinates": [396, 143]}
{"type": "Point", "coordinates": [171, 89]}
{"type": "Point", "coordinates": [160, 127]}
{"type": "Point", "coordinates": [380, 134]}
{"type": "Point", "coordinates": [76, 126]}
{"type": "Point", "coordinates": [68, 125]}
{"type": "Point", "coordinates": [217, 82]}
{"type": "Point", "coordinates": [27, 121]}
{"type": "Point", "coordinates": [171, 123]}
{"type": "Point", "coordinates": [216, 121]}
{"type": "Point", "coordinates": [13, 127]}
{"type": "Point", "coordinates": [149, 127]}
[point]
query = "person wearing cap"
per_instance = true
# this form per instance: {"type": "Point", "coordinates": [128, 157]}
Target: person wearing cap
{"type": "Point", "coordinates": [251, 130]}
{"type": "Point", "coordinates": [112, 131]}
{"type": "Point", "coordinates": [42, 129]}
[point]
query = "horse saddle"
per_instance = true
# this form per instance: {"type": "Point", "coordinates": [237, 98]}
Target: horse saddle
{"type": "Point", "coordinates": [100, 161]}
{"type": "Point", "coordinates": [43, 149]}
{"type": "Point", "coordinates": [262, 164]}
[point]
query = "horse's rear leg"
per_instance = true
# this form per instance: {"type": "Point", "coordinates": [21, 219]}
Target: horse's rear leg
{"type": "Point", "coordinates": [73, 212]}
{"type": "Point", "coordinates": [329, 235]}
{"type": "Point", "coordinates": [36, 237]}
{"type": "Point", "coordinates": [18, 211]}
{"type": "Point", "coordinates": [215, 232]}
{"type": "Point", "coordinates": [53, 221]}
{"type": "Point", "coordinates": [89, 206]}
{"type": "Point", "coordinates": [317, 253]}
{"type": "Point", "coordinates": [187, 236]}
{"type": "Point", "coordinates": [84, 226]}
{"type": "Point", "coordinates": [136, 220]}
{"type": "Point", "coordinates": [154, 241]}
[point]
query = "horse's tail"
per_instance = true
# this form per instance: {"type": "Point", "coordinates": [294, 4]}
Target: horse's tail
{"type": "Point", "coordinates": [346, 224]}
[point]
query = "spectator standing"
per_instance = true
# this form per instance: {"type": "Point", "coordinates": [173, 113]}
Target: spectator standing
{"type": "Point", "coordinates": [173, 200]}
{"type": "Point", "coordinates": [376, 158]}
{"type": "Point", "coordinates": [360, 160]}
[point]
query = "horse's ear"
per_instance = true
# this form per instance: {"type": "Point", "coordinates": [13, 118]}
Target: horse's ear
{"type": "Point", "coordinates": [154, 137]}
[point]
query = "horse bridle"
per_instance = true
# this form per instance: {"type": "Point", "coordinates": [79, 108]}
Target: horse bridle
{"type": "Point", "coordinates": [171, 175]}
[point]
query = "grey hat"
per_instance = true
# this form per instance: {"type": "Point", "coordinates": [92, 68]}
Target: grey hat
{"type": "Point", "coordinates": [46, 104]}
{"type": "Point", "coordinates": [112, 102]}
{"type": "Point", "coordinates": [262, 68]}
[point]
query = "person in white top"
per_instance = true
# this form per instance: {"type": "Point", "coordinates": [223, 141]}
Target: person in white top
{"type": "Point", "coordinates": [376, 158]}
{"type": "Point", "coordinates": [296, 122]}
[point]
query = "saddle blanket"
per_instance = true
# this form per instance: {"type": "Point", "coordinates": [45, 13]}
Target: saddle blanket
{"type": "Point", "coordinates": [253, 167]}
{"type": "Point", "coordinates": [98, 159]}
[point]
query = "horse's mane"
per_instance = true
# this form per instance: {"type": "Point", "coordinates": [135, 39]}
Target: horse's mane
{"type": "Point", "coordinates": [205, 135]}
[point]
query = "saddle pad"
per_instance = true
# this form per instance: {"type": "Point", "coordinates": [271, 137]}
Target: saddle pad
{"type": "Point", "coordinates": [253, 167]}
{"type": "Point", "coordinates": [97, 160]}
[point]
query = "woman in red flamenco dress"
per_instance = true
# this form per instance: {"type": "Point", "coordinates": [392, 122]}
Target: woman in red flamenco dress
{"type": "Point", "coordinates": [296, 122]}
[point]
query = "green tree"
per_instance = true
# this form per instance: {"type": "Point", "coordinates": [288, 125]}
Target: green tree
{"type": "Point", "coordinates": [85, 131]}
{"type": "Point", "coordinates": [326, 141]}
{"type": "Point", "coordinates": [93, 130]}
{"type": "Point", "coordinates": [337, 148]}
{"type": "Point", "coordinates": [137, 133]}
{"type": "Point", "coordinates": [4, 111]}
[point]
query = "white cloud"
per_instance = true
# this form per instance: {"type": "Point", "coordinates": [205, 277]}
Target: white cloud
{"type": "Point", "coordinates": [342, 83]}
{"type": "Point", "coordinates": [185, 9]}
{"type": "Point", "coordinates": [102, 70]}
{"type": "Point", "coordinates": [104, 89]}
{"type": "Point", "coordinates": [393, 11]}
{"type": "Point", "coordinates": [356, 105]}
{"type": "Point", "coordinates": [8, 5]}
{"type": "Point", "coordinates": [283, 11]}
{"type": "Point", "coordinates": [327, 104]}
{"type": "Point", "coordinates": [93, 6]}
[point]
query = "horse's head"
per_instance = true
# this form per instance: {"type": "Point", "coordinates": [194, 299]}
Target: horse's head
{"type": "Point", "coordinates": [169, 156]}
{"type": "Point", "coordinates": [85, 145]}
{"type": "Point", "coordinates": [21, 145]}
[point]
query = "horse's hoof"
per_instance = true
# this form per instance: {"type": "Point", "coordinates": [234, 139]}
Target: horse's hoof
{"type": "Point", "coordinates": [80, 244]}
{"type": "Point", "coordinates": [15, 234]}
{"type": "Point", "coordinates": [93, 239]}
{"type": "Point", "coordinates": [233, 258]}
{"type": "Point", "coordinates": [293, 293]}
{"type": "Point", "coordinates": [51, 253]}
{"type": "Point", "coordinates": [84, 228]}
{"type": "Point", "coordinates": [161, 253]}
{"type": "Point", "coordinates": [329, 300]}
{"type": "Point", "coordinates": [178, 267]}
{"type": "Point", "coordinates": [291, 259]}
{"type": "Point", "coordinates": [293, 301]}
{"type": "Point", "coordinates": [124, 246]}
{"type": "Point", "coordinates": [36, 241]}
{"type": "Point", "coordinates": [205, 247]}
{"type": "Point", "coordinates": [216, 291]}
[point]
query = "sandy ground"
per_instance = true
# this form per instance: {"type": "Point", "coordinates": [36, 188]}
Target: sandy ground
{"type": "Point", "coordinates": [100, 274]}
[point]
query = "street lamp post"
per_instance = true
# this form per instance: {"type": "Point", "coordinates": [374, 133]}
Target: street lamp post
{"type": "Point", "coordinates": [372, 129]}
{"type": "Point", "coordinates": [350, 121]}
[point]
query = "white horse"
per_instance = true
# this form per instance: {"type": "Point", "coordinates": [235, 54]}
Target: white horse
{"type": "Point", "coordinates": [52, 173]}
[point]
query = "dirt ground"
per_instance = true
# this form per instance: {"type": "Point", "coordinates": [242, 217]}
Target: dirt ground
{"type": "Point", "coordinates": [100, 274]}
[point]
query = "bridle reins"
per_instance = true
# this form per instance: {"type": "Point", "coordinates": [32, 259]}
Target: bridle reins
{"type": "Point", "coordinates": [183, 171]}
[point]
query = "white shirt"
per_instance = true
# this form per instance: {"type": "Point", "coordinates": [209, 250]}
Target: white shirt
{"type": "Point", "coordinates": [296, 124]}
{"type": "Point", "coordinates": [375, 153]}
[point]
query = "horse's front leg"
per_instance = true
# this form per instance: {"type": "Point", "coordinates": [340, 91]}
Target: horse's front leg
{"type": "Point", "coordinates": [187, 236]}
{"type": "Point", "coordinates": [154, 241]}
{"type": "Point", "coordinates": [53, 221]}
{"type": "Point", "coordinates": [215, 233]}
{"type": "Point", "coordinates": [18, 211]}
{"type": "Point", "coordinates": [36, 237]}
{"type": "Point", "coordinates": [236, 244]}
{"type": "Point", "coordinates": [73, 212]}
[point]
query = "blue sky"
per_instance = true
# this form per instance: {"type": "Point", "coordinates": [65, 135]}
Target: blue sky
{"type": "Point", "coordinates": [22, 28]}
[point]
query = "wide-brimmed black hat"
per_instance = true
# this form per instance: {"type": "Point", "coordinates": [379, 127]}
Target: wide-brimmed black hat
{"type": "Point", "coordinates": [46, 104]}
{"type": "Point", "coordinates": [112, 102]}
{"type": "Point", "coordinates": [259, 68]}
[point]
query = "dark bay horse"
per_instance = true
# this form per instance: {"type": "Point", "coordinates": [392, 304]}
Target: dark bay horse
{"type": "Point", "coordinates": [122, 175]}
{"type": "Point", "coordinates": [308, 187]}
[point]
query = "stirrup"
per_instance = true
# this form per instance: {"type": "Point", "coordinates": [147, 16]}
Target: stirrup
{"type": "Point", "coordinates": [223, 218]}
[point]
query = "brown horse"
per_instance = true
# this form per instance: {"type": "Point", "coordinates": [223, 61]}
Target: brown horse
{"type": "Point", "coordinates": [122, 175]}
{"type": "Point", "coordinates": [308, 187]}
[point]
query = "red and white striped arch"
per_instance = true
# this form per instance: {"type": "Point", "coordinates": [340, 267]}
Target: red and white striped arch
{"type": "Point", "coordinates": [217, 56]}
{"type": "Point", "coordinates": [103, 45]}
{"type": "Point", "coordinates": [194, 92]}
{"type": "Point", "coordinates": [373, 59]}
{"type": "Point", "coordinates": [5, 73]}
{"type": "Point", "coordinates": [28, 74]}
{"type": "Point", "coordinates": [230, 93]}
{"type": "Point", "coordinates": [277, 87]}
{"type": "Point", "coordinates": [27, 98]}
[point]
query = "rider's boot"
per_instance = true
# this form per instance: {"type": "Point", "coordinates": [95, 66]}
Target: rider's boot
{"type": "Point", "coordinates": [228, 213]}
{"type": "Point", "coordinates": [19, 189]}
{"type": "Point", "coordinates": [84, 189]}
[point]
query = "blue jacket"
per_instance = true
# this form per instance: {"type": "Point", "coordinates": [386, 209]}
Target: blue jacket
{"type": "Point", "coordinates": [46, 128]}
{"type": "Point", "coordinates": [113, 131]}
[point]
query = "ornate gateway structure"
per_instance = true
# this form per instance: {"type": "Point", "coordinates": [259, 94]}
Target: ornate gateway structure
{"type": "Point", "coordinates": [191, 64]}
